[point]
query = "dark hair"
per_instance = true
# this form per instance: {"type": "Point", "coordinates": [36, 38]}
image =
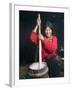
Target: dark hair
{"type": "Point", "coordinates": [50, 25]}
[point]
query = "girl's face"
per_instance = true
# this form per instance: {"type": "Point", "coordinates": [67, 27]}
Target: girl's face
{"type": "Point", "coordinates": [48, 32]}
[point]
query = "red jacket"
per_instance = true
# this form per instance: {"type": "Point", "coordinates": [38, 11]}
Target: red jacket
{"type": "Point", "coordinates": [48, 48]}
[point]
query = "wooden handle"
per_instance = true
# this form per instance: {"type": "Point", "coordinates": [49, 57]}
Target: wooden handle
{"type": "Point", "coordinates": [40, 25]}
{"type": "Point", "coordinates": [40, 46]}
{"type": "Point", "coordinates": [38, 16]}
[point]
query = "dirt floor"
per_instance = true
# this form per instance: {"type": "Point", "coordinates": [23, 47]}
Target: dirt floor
{"type": "Point", "coordinates": [23, 72]}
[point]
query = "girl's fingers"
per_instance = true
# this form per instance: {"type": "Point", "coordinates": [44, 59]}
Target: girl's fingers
{"type": "Point", "coordinates": [41, 37]}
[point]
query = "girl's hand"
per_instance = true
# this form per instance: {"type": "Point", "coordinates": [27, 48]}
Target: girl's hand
{"type": "Point", "coordinates": [41, 37]}
{"type": "Point", "coordinates": [38, 22]}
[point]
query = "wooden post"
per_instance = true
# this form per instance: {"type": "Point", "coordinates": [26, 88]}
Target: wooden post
{"type": "Point", "coordinates": [40, 46]}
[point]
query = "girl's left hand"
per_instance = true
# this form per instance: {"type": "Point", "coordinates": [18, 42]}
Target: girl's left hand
{"type": "Point", "coordinates": [41, 37]}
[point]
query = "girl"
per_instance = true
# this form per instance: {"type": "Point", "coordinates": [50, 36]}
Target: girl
{"type": "Point", "coordinates": [49, 47]}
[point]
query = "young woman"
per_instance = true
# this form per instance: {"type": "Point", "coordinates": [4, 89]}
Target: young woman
{"type": "Point", "coordinates": [49, 47]}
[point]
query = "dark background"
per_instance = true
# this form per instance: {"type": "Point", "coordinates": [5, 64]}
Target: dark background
{"type": "Point", "coordinates": [27, 21]}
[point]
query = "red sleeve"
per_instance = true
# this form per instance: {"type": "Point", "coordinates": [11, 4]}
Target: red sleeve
{"type": "Point", "coordinates": [34, 37]}
{"type": "Point", "coordinates": [50, 46]}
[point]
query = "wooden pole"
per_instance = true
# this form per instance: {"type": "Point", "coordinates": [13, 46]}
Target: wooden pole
{"type": "Point", "coordinates": [40, 46]}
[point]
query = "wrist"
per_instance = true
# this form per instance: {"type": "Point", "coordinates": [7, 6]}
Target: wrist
{"type": "Point", "coordinates": [35, 29]}
{"type": "Point", "coordinates": [36, 26]}
{"type": "Point", "coordinates": [42, 39]}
